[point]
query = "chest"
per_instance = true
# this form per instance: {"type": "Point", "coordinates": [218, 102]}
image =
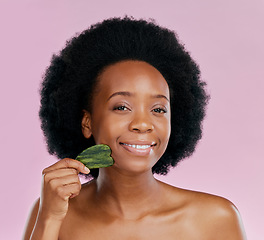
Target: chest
{"type": "Point", "coordinates": [109, 229]}
{"type": "Point", "coordinates": [96, 225]}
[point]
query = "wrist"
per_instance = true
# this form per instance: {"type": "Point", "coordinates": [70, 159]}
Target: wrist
{"type": "Point", "coordinates": [50, 218]}
{"type": "Point", "coordinates": [46, 228]}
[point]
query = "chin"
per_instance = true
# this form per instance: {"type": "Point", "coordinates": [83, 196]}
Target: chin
{"type": "Point", "coordinates": [134, 168]}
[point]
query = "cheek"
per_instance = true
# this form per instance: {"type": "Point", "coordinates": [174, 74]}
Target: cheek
{"type": "Point", "coordinates": [168, 126]}
{"type": "Point", "coordinates": [105, 130]}
{"type": "Point", "coordinates": [164, 134]}
{"type": "Point", "coordinates": [164, 128]}
{"type": "Point", "coordinates": [169, 131]}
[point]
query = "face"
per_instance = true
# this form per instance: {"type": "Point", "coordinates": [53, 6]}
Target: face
{"type": "Point", "coordinates": [131, 114]}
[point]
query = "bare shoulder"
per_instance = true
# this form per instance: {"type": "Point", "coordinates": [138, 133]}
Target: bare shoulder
{"type": "Point", "coordinates": [220, 214]}
{"type": "Point", "coordinates": [209, 216]}
{"type": "Point", "coordinates": [31, 220]}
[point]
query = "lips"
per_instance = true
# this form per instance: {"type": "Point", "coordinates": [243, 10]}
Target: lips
{"type": "Point", "coordinates": [138, 148]}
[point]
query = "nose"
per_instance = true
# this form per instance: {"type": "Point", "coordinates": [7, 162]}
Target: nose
{"type": "Point", "coordinates": [141, 123]}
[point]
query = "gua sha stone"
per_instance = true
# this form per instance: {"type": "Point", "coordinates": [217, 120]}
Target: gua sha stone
{"type": "Point", "coordinates": [97, 156]}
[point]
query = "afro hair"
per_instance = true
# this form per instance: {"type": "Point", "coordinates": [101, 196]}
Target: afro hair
{"type": "Point", "coordinates": [69, 82]}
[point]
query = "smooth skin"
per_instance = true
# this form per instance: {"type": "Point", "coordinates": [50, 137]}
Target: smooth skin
{"type": "Point", "coordinates": [131, 107]}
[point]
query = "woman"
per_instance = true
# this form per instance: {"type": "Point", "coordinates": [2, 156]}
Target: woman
{"type": "Point", "coordinates": [131, 85]}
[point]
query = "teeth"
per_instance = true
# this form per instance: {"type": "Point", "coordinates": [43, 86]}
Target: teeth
{"type": "Point", "coordinates": [138, 146]}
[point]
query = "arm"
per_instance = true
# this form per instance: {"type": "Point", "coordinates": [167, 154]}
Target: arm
{"type": "Point", "coordinates": [223, 221]}
{"type": "Point", "coordinates": [230, 224]}
{"type": "Point", "coordinates": [39, 227]}
{"type": "Point", "coordinates": [60, 182]}
{"type": "Point", "coordinates": [31, 220]}
{"type": "Point", "coordinates": [214, 217]}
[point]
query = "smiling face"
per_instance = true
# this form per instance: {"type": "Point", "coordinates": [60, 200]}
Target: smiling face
{"type": "Point", "coordinates": [131, 114]}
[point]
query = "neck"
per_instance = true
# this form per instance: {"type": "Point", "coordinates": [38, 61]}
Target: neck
{"type": "Point", "coordinates": [125, 195]}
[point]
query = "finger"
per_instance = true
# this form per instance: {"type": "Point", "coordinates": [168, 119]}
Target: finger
{"type": "Point", "coordinates": [58, 173]}
{"type": "Point", "coordinates": [68, 163]}
{"type": "Point", "coordinates": [65, 192]}
{"type": "Point", "coordinates": [63, 181]}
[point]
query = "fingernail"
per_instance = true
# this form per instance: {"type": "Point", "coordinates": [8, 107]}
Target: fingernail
{"type": "Point", "coordinates": [86, 169]}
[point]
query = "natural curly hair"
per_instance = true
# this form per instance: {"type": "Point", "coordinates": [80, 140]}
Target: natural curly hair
{"type": "Point", "coordinates": [69, 82]}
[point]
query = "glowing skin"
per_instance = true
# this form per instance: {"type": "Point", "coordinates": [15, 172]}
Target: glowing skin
{"type": "Point", "coordinates": [131, 114]}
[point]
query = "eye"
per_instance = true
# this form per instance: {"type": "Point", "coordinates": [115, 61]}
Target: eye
{"type": "Point", "coordinates": [121, 108]}
{"type": "Point", "coordinates": [159, 110]}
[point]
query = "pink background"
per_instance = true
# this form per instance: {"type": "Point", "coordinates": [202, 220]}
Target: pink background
{"type": "Point", "coordinates": [226, 37]}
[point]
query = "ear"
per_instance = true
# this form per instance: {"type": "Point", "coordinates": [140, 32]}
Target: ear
{"type": "Point", "coordinates": [86, 124]}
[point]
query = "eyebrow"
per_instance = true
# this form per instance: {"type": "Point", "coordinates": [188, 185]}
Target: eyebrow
{"type": "Point", "coordinates": [160, 96]}
{"type": "Point", "coordinates": [129, 94]}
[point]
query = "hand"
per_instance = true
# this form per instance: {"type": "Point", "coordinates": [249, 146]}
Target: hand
{"type": "Point", "coordinates": [60, 182]}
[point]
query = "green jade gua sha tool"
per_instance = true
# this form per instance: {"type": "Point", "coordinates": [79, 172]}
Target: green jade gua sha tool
{"type": "Point", "coordinates": [97, 156]}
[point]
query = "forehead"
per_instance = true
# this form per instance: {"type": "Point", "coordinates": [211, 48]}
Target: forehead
{"type": "Point", "coordinates": [136, 76]}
